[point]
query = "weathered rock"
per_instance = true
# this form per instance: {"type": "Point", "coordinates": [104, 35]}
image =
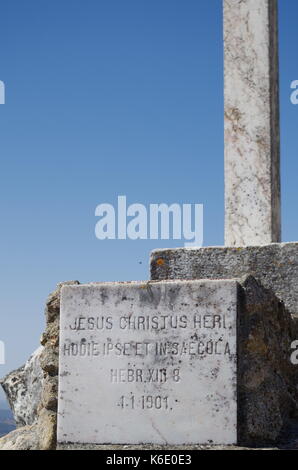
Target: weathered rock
{"type": "Point", "coordinates": [47, 420]}
{"type": "Point", "coordinates": [23, 390]}
{"type": "Point", "coordinates": [49, 360]}
{"type": "Point", "coordinates": [25, 438]}
{"type": "Point", "coordinates": [47, 429]}
{"type": "Point", "coordinates": [267, 395]}
{"type": "Point", "coordinates": [42, 434]}
{"type": "Point", "coordinates": [49, 399]}
{"type": "Point", "coordinates": [39, 436]}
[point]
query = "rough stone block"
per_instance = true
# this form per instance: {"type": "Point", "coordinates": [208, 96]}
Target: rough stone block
{"type": "Point", "coordinates": [274, 265]}
{"type": "Point", "coordinates": [266, 390]}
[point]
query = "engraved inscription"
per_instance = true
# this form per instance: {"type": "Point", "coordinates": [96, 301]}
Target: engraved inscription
{"type": "Point", "coordinates": [149, 323]}
{"type": "Point", "coordinates": [160, 358]}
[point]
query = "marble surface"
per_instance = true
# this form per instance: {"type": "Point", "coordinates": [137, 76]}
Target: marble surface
{"type": "Point", "coordinates": [252, 168]}
{"type": "Point", "coordinates": [148, 363]}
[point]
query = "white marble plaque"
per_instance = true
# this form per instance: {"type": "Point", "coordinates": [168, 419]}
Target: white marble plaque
{"type": "Point", "coordinates": [148, 363]}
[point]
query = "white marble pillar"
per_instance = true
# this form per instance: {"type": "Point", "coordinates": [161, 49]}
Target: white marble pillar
{"type": "Point", "coordinates": [252, 168]}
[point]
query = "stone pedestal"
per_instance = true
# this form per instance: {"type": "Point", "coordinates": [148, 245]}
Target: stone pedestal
{"type": "Point", "coordinates": [174, 343]}
{"type": "Point", "coordinates": [266, 385]}
{"type": "Point", "coordinates": [274, 265]}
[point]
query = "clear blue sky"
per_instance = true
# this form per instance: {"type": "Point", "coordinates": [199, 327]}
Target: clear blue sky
{"type": "Point", "coordinates": [103, 98]}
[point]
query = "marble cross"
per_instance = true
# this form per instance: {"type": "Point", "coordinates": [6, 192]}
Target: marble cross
{"type": "Point", "coordinates": [252, 166]}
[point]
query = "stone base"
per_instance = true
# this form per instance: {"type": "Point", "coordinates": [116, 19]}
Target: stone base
{"type": "Point", "coordinates": [267, 394]}
{"type": "Point", "coordinates": [274, 265]}
{"type": "Point", "coordinates": [115, 448]}
{"type": "Point", "coordinates": [264, 333]}
{"type": "Point", "coordinates": [288, 441]}
{"type": "Point", "coordinates": [267, 382]}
